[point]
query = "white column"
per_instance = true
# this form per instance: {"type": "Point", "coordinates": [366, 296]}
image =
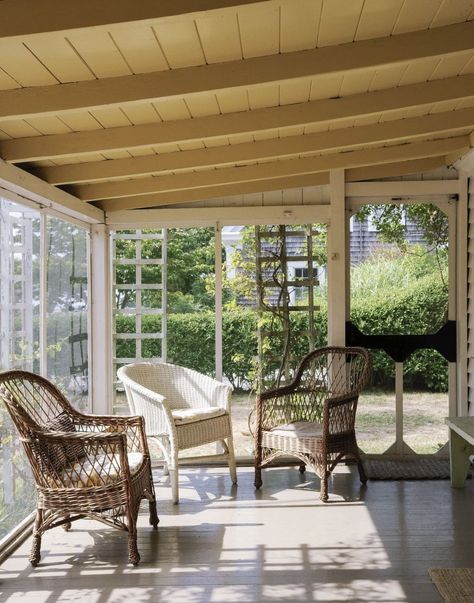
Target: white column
{"type": "Point", "coordinates": [100, 361]}
{"type": "Point", "coordinates": [218, 299]}
{"type": "Point", "coordinates": [461, 294]}
{"type": "Point", "coordinates": [337, 270]}
{"type": "Point", "coordinates": [452, 302]}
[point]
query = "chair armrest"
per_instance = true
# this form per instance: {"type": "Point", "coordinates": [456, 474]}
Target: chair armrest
{"type": "Point", "coordinates": [133, 427]}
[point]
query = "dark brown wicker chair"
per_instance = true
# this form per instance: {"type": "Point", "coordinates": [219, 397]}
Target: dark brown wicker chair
{"type": "Point", "coordinates": [84, 466]}
{"type": "Point", "coordinates": [313, 417]}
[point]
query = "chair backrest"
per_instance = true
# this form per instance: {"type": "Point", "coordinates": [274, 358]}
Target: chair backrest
{"type": "Point", "coordinates": [325, 373]}
{"type": "Point", "coordinates": [336, 371]}
{"type": "Point", "coordinates": [182, 387]}
{"type": "Point", "coordinates": [32, 401]}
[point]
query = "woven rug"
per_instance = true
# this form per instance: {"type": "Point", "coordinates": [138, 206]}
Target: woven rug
{"type": "Point", "coordinates": [454, 585]}
{"type": "Point", "coordinates": [418, 468]}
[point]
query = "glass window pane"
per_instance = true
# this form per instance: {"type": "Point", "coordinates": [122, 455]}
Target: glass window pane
{"type": "Point", "coordinates": [66, 313]}
{"type": "Point", "coordinates": [19, 347]}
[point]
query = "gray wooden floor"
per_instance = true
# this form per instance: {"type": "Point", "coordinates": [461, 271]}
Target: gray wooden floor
{"type": "Point", "coordinates": [224, 543]}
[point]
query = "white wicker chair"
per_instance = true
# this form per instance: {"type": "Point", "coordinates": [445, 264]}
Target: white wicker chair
{"type": "Point", "coordinates": [182, 409]}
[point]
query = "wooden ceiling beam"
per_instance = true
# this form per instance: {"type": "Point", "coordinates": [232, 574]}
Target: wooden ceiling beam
{"type": "Point", "coordinates": [193, 195]}
{"type": "Point", "coordinates": [22, 103]}
{"type": "Point", "coordinates": [259, 120]}
{"type": "Point", "coordinates": [274, 169]}
{"type": "Point", "coordinates": [20, 18]}
{"type": "Point", "coordinates": [397, 130]}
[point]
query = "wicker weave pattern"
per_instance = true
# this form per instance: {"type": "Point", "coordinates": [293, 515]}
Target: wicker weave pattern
{"type": "Point", "coordinates": [154, 390]}
{"type": "Point", "coordinates": [96, 480]}
{"type": "Point", "coordinates": [325, 391]}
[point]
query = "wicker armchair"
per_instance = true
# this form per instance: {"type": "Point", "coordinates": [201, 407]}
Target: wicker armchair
{"type": "Point", "coordinates": [313, 417]}
{"type": "Point", "coordinates": [182, 409]}
{"type": "Point", "coordinates": [84, 466]}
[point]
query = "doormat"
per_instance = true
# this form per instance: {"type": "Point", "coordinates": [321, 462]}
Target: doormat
{"type": "Point", "coordinates": [454, 585]}
{"type": "Point", "coordinates": [417, 468]}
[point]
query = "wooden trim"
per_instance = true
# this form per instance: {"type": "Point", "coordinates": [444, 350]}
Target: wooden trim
{"type": "Point", "coordinates": [26, 185]}
{"type": "Point", "coordinates": [22, 103]}
{"type": "Point", "coordinates": [346, 138]}
{"type": "Point", "coordinates": [258, 120]}
{"type": "Point", "coordinates": [275, 169]}
{"type": "Point", "coordinates": [25, 18]}
{"type": "Point", "coordinates": [258, 186]}
{"type": "Point", "coordinates": [168, 218]}
{"type": "Point", "coordinates": [336, 265]}
{"type": "Point", "coordinates": [402, 188]}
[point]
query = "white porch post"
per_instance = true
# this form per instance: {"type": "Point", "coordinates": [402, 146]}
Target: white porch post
{"type": "Point", "coordinates": [218, 299]}
{"type": "Point", "coordinates": [101, 348]}
{"type": "Point", "coordinates": [338, 289]}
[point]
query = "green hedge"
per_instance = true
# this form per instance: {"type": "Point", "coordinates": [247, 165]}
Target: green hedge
{"type": "Point", "coordinates": [420, 308]}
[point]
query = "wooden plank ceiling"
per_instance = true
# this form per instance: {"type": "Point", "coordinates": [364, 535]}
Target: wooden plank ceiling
{"type": "Point", "coordinates": [134, 105]}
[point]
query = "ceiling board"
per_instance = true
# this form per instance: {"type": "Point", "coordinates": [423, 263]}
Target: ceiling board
{"type": "Point", "coordinates": [140, 48]}
{"type": "Point", "coordinates": [416, 14]}
{"type": "Point", "coordinates": [81, 121]}
{"type": "Point", "coordinates": [21, 65]}
{"type": "Point", "coordinates": [220, 38]}
{"type": "Point", "coordinates": [98, 50]}
{"type": "Point", "coordinates": [453, 11]}
{"type": "Point", "coordinates": [377, 18]}
{"type": "Point", "coordinates": [299, 25]}
{"type": "Point", "coordinates": [61, 59]}
{"type": "Point", "coordinates": [180, 44]}
{"type": "Point", "coordinates": [111, 117]}
{"type": "Point", "coordinates": [172, 109]}
{"type": "Point", "coordinates": [259, 28]}
{"type": "Point", "coordinates": [141, 113]}
{"type": "Point", "coordinates": [232, 101]}
{"type": "Point", "coordinates": [339, 21]}
{"type": "Point", "coordinates": [49, 125]}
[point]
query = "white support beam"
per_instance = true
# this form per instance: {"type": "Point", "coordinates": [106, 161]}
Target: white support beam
{"type": "Point", "coordinates": [344, 138]}
{"type": "Point", "coordinates": [218, 299]}
{"type": "Point", "coordinates": [33, 188]}
{"type": "Point", "coordinates": [259, 120]}
{"type": "Point", "coordinates": [274, 169]}
{"type": "Point", "coordinates": [258, 186]}
{"type": "Point", "coordinates": [337, 259]}
{"type": "Point", "coordinates": [402, 188]}
{"type": "Point", "coordinates": [169, 218]}
{"type": "Point", "coordinates": [20, 18]}
{"type": "Point", "coordinates": [22, 103]}
{"type": "Point", "coordinates": [462, 294]}
{"type": "Point", "coordinates": [101, 303]}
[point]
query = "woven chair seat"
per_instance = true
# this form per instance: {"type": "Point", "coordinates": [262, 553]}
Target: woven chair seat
{"type": "Point", "coordinates": [103, 470]}
{"type": "Point", "coordinates": [191, 415]}
{"type": "Point", "coordinates": [299, 429]}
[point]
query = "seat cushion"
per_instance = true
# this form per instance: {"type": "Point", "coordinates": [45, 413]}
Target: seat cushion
{"type": "Point", "coordinates": [103, 471]}
{"type": "Point", "coordinates": [299, 429]}
{"type": "Point", "coordinates": [191, 415]}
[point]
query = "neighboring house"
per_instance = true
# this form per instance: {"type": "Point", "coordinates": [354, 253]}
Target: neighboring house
{"type": "Point", "coordinates": [364, 241]}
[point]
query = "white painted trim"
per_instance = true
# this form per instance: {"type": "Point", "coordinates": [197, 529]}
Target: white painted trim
{"type": "Point", "coordinates": [100, 328]}
{"type": "Point", "coordinates": [43, 285]}
{"type": "Point", "coordinates": [228, 216]}
{"type": "Point", "coordinates": [462, 294]}
{"type": "Point", "coordinates": [397, 188]}
{"type": "Point", "coordinates": [337, 260]}
{"type": "Point", "coordinates": [218, 300]}
{"type": "Point", "coordinates": [32, 188]}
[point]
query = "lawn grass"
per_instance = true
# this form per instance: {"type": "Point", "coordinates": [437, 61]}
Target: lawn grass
{"type": "Point", "coordinates": [424, 428]}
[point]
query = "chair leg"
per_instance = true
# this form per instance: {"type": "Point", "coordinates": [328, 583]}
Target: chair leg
{"type": "Point", "coordinates": [154, 520]}
{"type": "Point", "coordinates": [360, 467]}
{"type": "Point", "coordinates": [232, 466]}
{"type": "Point", "coordinates": [324, 487]}
{"type": "Point", "coordinates": [133, 554]}
{"type": "Point", "coordinates": [302, 467]}
{"type": "Point", "coordinates": [258, 469]}
{"type": "Point", "coordinates": [174, 477]}
{"type": "Point", "coordinates": [35, 554]}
